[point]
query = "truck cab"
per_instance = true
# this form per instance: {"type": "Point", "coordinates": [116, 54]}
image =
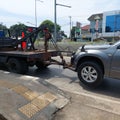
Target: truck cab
{"type": "Point", "coordinates": [5, 39]}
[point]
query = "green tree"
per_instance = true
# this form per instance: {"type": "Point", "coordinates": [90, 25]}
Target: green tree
{"type": "Point", "coordinates": [17, 29]}
{"type": "Point", "coordinates": [50, 25]}
{"type": "Point", "coordinates": [63, 34]}
{"type": "Point", "coordinates": [2, 26]}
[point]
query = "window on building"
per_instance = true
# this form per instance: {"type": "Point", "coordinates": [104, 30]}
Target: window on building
{"type": "Point", "coordinates": [112, 23]}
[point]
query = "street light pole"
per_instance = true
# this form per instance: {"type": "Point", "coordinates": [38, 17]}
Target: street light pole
{"type": "Point", "coordinates": [55, 21]}
{"type": "Point", "coordinates": [36, 11]}
{"type": "Point", "coordinates": [35, 15]}
{"type": "Point", "coordinates": [70, 27]}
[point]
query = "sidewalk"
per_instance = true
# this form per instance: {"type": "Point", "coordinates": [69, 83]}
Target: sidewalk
{"type": "Point", "coordinates": [28, 98]}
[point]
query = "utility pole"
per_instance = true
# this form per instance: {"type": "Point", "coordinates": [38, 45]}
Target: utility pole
{"type": "Point", "coordinates": [35, 15]}
{"type": "Point", "coordinates": [70, 26]}
{"type": "Point", "coordinates": [55, 22]}
{"type": "Point", "coordinates": [36, 11]}
{"type": "Point", "coordinates": [55, 19]}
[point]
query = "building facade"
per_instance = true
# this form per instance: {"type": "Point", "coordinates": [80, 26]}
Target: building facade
{"type": "Point", "coordinates": [111, 24]}
{"type": "Point", "coordinates": [105, 25]}
{"type": "Point", "coordinates": [85, 32]}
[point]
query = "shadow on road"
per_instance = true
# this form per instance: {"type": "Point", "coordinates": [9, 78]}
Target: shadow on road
{"type": "Point", "coordinates": [109, 87]}
{"type": "Point", "coordinates": [53, 72]}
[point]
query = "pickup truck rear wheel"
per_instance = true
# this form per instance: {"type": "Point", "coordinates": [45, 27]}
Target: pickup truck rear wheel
{"type": "Point", "coordinates": [17, 66]}
{"type": "Point", "coordinates": [90, 74]}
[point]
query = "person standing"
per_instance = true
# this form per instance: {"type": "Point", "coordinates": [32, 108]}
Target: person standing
{"type": "Point", "coordinates": [47, 36]}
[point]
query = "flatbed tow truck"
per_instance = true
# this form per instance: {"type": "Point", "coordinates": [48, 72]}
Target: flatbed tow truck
{"type": "Point", "coordinates": [19, 54]}
{"type": "Point", "coordinates": [91, 63]}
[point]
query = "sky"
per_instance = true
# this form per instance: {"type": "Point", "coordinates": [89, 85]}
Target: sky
{"type": "Point", "coordinates": [23, 11]}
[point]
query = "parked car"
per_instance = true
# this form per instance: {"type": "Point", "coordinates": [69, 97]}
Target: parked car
{"type": "Point", "coordinates": [94, 62]}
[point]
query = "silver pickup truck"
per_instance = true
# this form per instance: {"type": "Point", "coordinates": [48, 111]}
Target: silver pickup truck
{"type": "Point", "coordinates": [94, 62]}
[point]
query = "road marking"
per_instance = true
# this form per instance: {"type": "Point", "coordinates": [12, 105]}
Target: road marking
{"type": "Point", "coordinates": [96, 97]}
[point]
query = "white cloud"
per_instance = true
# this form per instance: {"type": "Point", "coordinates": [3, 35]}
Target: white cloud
{"type": "Point", "coordinates": [24, 10]}
{"type": "Point", "coordinates": [18, 6]}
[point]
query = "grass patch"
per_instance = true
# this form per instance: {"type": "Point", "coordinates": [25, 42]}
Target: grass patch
{"type": "Point", "coordinates": [68, 45]}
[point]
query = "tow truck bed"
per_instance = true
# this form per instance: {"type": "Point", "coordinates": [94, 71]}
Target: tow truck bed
{"type": "Point", "coordinates": [19, 54]}
{"type": "Point", "coordinates": [35, 53]}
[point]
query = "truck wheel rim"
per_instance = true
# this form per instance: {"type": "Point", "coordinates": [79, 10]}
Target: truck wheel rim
{"type": "Point", "coordinates": [89, 74]}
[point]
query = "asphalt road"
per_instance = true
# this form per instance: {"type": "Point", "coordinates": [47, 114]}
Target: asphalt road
{"type": "Point", "coordinates": [104, 101]}
{"type": "Point", "coordinates": [68, 80]}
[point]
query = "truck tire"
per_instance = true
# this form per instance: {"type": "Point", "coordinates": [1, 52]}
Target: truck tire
{"type": "Point", "coordinates": [17, 66]}
{"type": "Point", "coordinates": [90, 74]}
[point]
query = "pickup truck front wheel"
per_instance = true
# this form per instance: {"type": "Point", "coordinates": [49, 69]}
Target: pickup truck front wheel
{"type": "Point", "coordinates": [90, 74]}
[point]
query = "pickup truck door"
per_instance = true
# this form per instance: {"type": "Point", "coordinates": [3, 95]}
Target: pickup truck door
{"type": "Point", "coordinates": [115, 64]}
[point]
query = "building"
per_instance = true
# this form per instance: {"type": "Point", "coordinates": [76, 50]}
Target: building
{"type": "Point", "coordinates": [105, 25]}
{"type": "Point", "coordinates": [111, 24]}
{"type": "Point", "coordinates": [85, 32]}
{"type": "Point", "coordinates": [85, 29]}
